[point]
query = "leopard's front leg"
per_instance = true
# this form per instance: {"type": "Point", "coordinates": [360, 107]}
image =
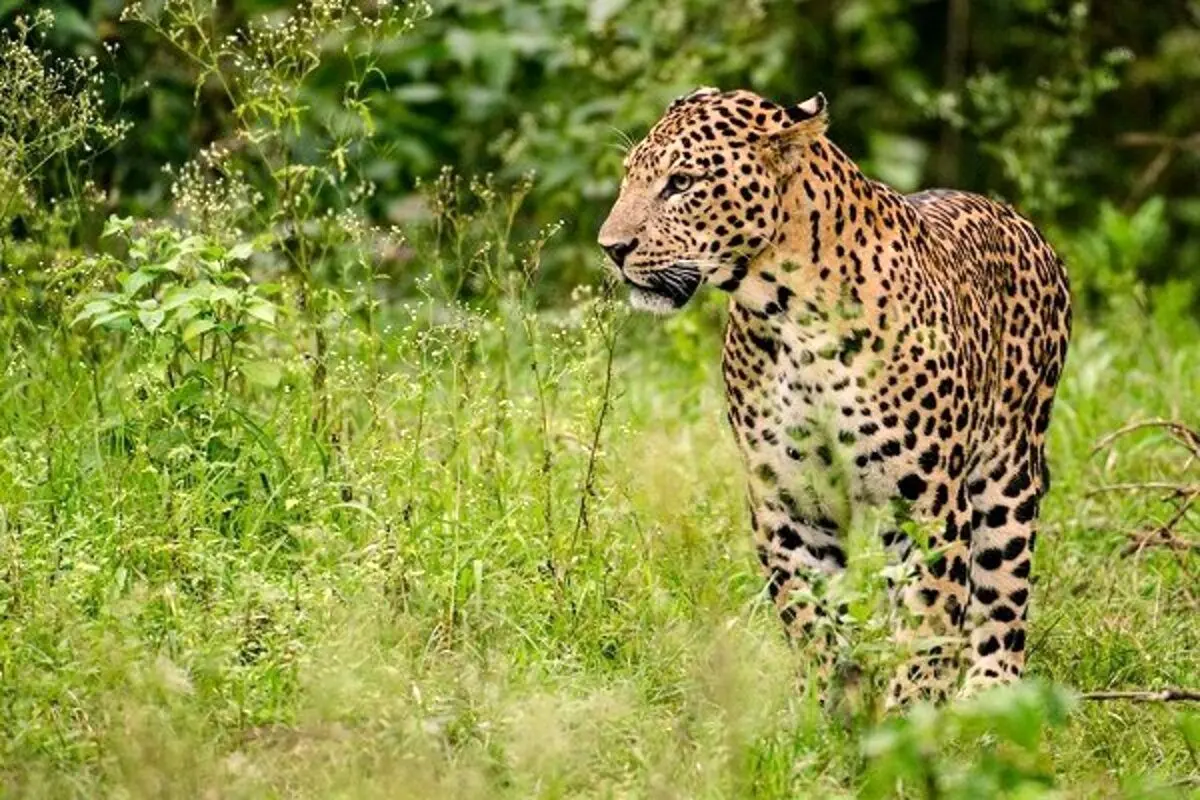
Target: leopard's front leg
{"type": "Point", "coordinates": [933, 600]}
{"type": "Point", "coordinates": [798, 556]}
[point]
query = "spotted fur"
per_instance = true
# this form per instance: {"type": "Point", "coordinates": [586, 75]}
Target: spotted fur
{"type": "Point", "coordinates": [881, 349]}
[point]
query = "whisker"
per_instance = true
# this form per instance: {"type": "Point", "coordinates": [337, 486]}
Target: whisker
{"type": "Point", "coordinates": [626, 140]}
{"type": "Point", "coordinates": [673, 277]}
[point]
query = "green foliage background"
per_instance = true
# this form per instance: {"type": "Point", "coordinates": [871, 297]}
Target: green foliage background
{"type": "Point", "coordinates": [1063, 109]}
{"type": "Point", "coordinates": [331, 466]}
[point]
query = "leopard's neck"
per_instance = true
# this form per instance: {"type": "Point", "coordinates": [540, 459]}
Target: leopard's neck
{"type": "Point", "coordinates": [838, 231]}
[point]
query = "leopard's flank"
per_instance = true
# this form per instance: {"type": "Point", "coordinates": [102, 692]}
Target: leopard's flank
{"type": "Point", "coordinates": [906, 345]}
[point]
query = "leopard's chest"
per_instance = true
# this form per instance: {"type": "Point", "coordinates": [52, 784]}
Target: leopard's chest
{"type": "Point", "coordinates": [803, 414]}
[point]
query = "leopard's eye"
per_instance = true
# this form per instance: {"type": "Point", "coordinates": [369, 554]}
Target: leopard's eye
{"type": "Point", "coordinates": [678, 182]}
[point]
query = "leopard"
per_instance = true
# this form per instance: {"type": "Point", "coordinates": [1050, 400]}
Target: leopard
{"type": "Point", "coordinates": [882, 350]}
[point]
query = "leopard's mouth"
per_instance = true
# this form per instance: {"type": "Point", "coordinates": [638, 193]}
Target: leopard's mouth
{"type": "Point", "coordinates": [663, 290]}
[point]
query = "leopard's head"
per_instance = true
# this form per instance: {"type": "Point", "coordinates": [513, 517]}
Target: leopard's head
{"type": "Point", "coordinates": [702, 193]}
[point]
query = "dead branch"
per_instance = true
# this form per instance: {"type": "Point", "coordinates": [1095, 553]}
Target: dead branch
{"type": "Point", "coordinates": [1179, 432]}
{"type": "Point", "coordinates": [1173, 489]}
{"type": "Point", "coordinates": [1138, 139]}
{"type": "Point", "coordinates": [1142, 696]}
{"type": "Point", "coordinates": [1149, 176]}
{"type": "Point", "coordinates": [1157, 539]}
{"type": "Point", "coordinates": [1164, 535]}
{"type": "Point", "coordinates": [1182, 495]}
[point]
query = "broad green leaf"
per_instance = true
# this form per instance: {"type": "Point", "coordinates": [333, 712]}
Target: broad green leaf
{"type": "Point", "coordinates": [110, 317]}
{"type": "Point", "coordinates": [197, 327]}
{"type": "Point", "coordinates": [178, 297]}
{"type": "Point", "coordinates": [184, 312]}
{"type": "Point", "coordinates": [223, 294]}
{"type": "Point", "coordinates": [263, 373]}
{"type": "Point", "coordinates": [262, 311]}
{"type": "Point", "coordinates": [115, 226]}
{"type": "Point", "coordinates": [241, 251]}
{"type": "Point", "coordinates": [192, 244]}
{"type": "Point", "coordinates": [186, 394]}
{"type": "Point", "coordinates": [234, 275]}
{"type": "Point", "coordinates": [151, 320]}
{"type": "Point", "coordinates": [171, 264]}
{"type": "Point", "coordinates": [202, 290]}
{"type": "Point", "coordinates": [214, 252]}
{"type": "Point", "coordinates": [92, 309]}
{"type": "Point", "coordinates": [135, 282]}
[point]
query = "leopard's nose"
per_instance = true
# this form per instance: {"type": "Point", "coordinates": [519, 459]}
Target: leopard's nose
{"type": "Point", "coordinates": [618, 251]}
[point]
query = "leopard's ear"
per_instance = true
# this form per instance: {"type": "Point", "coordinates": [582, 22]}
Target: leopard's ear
{"type": "Point", "coordinates": [808, 118]}
{"type": "Point", "coordinates": [697, 94]}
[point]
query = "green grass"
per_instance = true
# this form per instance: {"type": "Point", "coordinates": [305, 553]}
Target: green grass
{"type": "Point", "coordinates": [224, 603]}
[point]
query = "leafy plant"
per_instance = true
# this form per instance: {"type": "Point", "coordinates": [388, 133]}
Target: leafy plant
{"type": "Point", "coordinates": [190, 295]}
{"type": "Point", "coordinates": [1005, 730]}
{"type": "Point", "coordinates": [1110, 260]}
{"type": "Point", "coordinates": [289, 170]}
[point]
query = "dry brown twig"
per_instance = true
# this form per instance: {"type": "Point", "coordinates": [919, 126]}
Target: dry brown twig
{"type": "Point", "coordinates": [1177, 489]}
{"type": "Point", "coordinates": [1141, 696]}
{"type": "Point", "coordinates": [1168, 148]}
{"type": "Point", "coordinates": [1164, 535]}
{"type": "Point", "coordinates": [1181, 433]}
{"type": "Point", "coordinates": [1184, 495]}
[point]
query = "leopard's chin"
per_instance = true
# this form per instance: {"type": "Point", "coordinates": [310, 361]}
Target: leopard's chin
{"type": "Point", "coordinates": [655, 303]}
